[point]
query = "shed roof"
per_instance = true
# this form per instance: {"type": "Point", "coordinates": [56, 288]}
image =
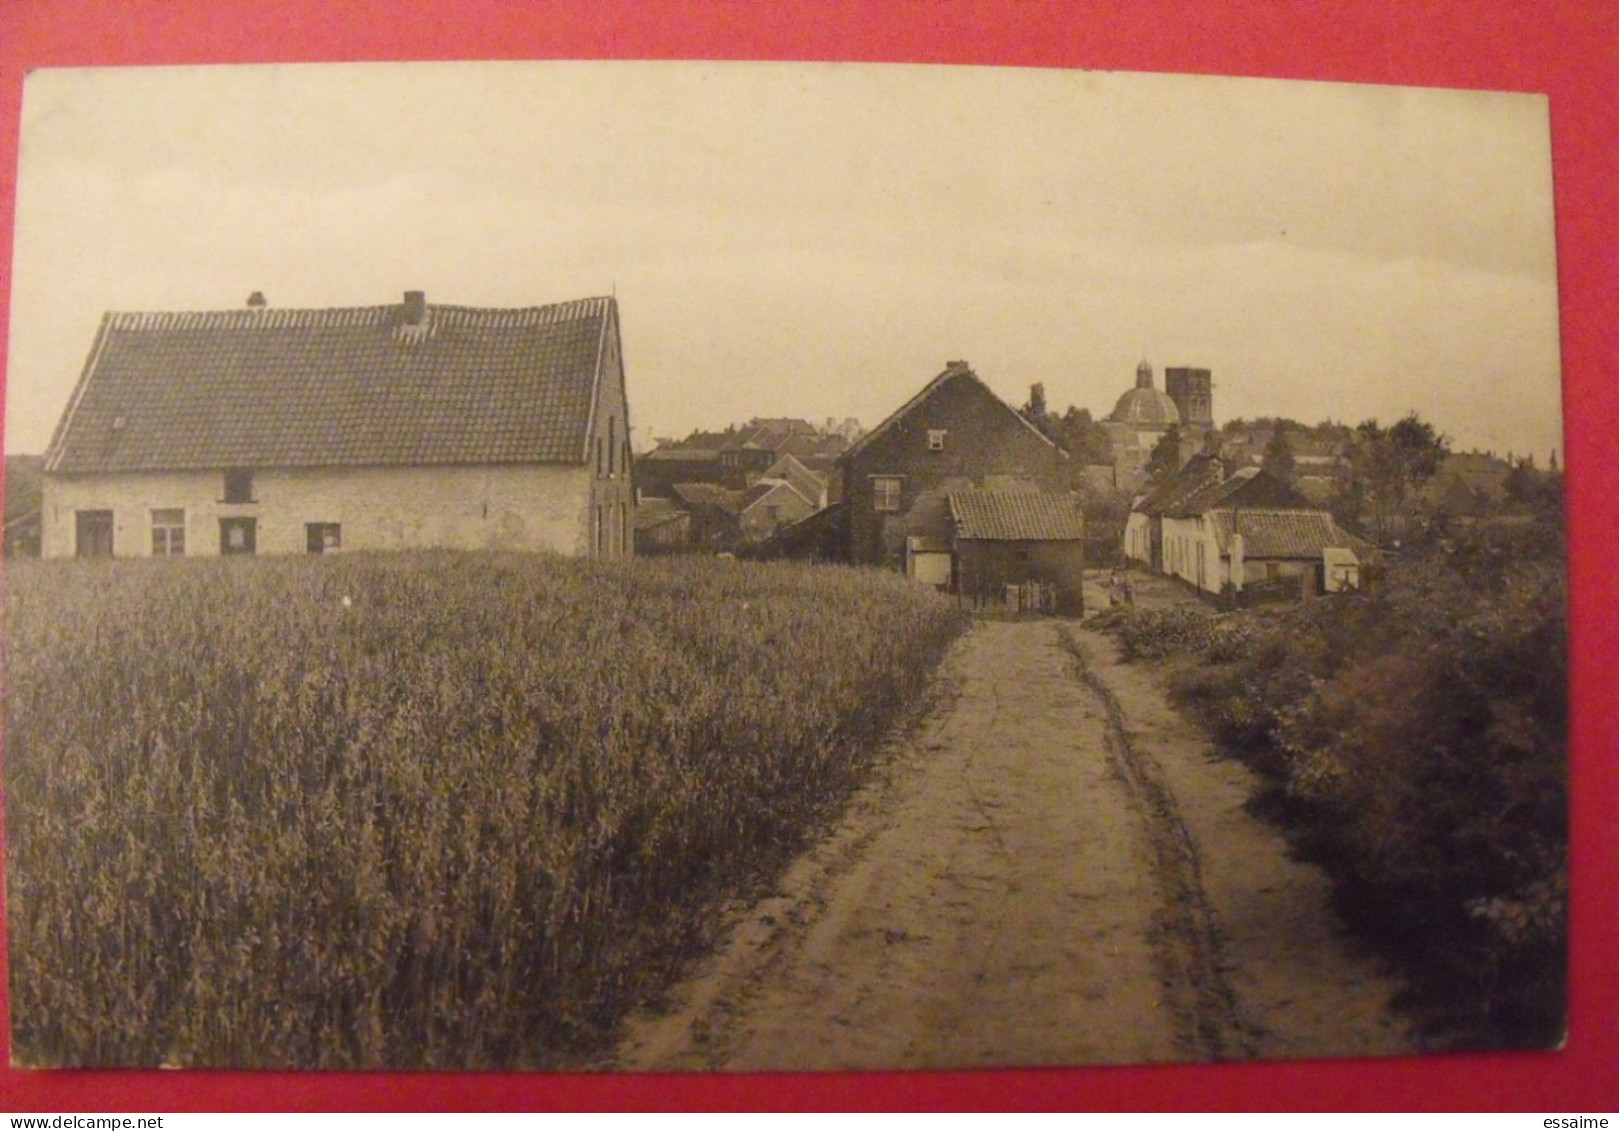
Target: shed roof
{"type": "Point", "coordinates": [365, 386]}
{"type": "Point", "coordinates": [1016, 516]}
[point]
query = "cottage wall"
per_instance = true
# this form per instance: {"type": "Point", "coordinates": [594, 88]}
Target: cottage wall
{"type": "Point", "coordinates": [985, 444]}
{"type": "Point", "coordinates": [1192, 553]}
{"type": "Point", "coordinates": [1138, 538]}
{"type": "Point", "coordinates": [497, 507]}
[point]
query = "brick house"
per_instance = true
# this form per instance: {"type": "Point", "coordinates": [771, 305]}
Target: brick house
{"type": "Point", "coordinates": [262, 430]}
{"type": "Point", "coordinates": [955, 434]}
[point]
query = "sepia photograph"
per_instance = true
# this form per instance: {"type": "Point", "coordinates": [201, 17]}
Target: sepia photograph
{"type": "Point", "coordinates": [659, 567]}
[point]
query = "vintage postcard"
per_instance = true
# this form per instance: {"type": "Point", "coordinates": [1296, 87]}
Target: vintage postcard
{"type": "Point", "coordinates": [720, 566]}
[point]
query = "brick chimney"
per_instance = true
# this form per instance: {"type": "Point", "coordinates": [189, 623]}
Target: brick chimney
{"type": "Point", "coordinates": [415, 308]}
{"type": "Point", "coordinates": [255, 301]}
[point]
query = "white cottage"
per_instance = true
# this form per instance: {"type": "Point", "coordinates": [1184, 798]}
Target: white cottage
{"type": "Point", "coordinates": [264, 430]}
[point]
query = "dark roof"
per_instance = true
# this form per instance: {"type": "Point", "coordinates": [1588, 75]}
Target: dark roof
{"type": "Point", "coordinates": [1195, 473]}
{"type": "Point", "coordinates": [1282, 533]}
{"type": "Point", "coordinates": [955, 371]}
{"type": "Point", "coordinates": [1251, 486]}
{"type": "Point", "coordinates": [336, 388]}
{"type": "Point", "coordinates": [655, 512]}
{"type": "Point", "coordinates": [681, 455]}
{"type": "Point", "coordinates": [708, 494]}
{"type": "Point", "coordinates": [1016, 516]}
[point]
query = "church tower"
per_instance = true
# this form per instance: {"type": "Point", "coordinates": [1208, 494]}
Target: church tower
{"type": "Point", "coordinates": [1192, 390]}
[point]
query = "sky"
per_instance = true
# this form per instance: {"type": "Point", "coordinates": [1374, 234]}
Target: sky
{"type": "Point", "coordinates": [818, 240]}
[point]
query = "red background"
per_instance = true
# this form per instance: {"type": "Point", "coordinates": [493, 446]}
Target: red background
{"type": "Point", "coordinates": [1568, 50]}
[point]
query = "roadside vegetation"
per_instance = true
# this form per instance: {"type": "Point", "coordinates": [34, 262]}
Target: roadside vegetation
{"type": "Point", "coordinates": [1415, 742]}
{"type": "Point", "coordinates": [419, 810]}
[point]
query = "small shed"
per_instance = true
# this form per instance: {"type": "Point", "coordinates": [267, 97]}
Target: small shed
{"type": "Point", "coordinates": [1028, 542]}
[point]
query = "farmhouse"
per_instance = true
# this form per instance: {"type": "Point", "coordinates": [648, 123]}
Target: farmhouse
{"type": "Point", "coordinates": [263, 430]}
{"type": "Point", "coordinates": [1144, 528]}
{"type": "Point", "coordinates": [954, 435]}
{"type": "Point", "coordinates": [1252, 534]}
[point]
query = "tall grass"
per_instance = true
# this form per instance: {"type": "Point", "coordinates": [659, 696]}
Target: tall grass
{"type": "Point", "coordinates": [425, 811]}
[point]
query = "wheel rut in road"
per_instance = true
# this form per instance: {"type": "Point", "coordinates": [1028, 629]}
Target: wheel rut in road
{"type": "Point", "coordinates": [1186, 934]}
{"type": "Point", "coordinates": [1051, 869]}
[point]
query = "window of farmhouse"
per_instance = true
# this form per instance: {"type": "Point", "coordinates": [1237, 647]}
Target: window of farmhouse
{"type": "Point", "coordinates": [238, 486]}
{"type": "Point", "coordinates": [936, 439]}
{"type": "Point", "coordinates": [323, 537]}
{"type": "Point", "coordinates": [169, 533]}
{"type": "Point", "coordinates": [885, 491]}
{"type": "Point", "coordinates": [238, 535]}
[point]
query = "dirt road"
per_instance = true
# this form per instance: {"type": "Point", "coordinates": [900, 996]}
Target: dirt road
{"type": "Point", "coordinates": [1053, 870]}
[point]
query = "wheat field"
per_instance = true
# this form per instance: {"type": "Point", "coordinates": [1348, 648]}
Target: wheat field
{"type": "Point", "coordinates": [412, 811]}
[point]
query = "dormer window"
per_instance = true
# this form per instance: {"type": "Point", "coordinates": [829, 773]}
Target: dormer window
{"type": "Point", "coordinates": [238, 486]}
{"type": "Point", "coordinates": [936, 439]}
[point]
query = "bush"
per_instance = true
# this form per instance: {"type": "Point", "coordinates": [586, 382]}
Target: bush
{"type": "Point", "coordinates": [1419, 740]}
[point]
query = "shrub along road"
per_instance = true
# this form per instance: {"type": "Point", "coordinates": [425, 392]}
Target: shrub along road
{"type": "Point", "coordinates": [1051, 869]}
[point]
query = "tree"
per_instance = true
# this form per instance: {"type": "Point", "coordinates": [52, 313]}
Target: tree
{"type": "Point", "coordinates": [1086, 440]}
{"type": "Point", "coordinates": [1165, 458]}
{"type": "Point", "coordinates": [1383, 469]}
{"type": "Point", "coordinates": [1278, 458]}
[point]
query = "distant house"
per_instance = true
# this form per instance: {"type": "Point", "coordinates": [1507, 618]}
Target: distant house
{"type": "Point", "coordinates": [821, 537]}
{"type": "Point", "coordinates": [657, 472]}
{"type": "Point", "coordinates": [953, 435]}
{"type": "Point", "coordinates": [806, 482]}
{"type": "Point", "coordinates": [24, 493]}
{"type": "Point", "coordinates": [261, 430]}
{"type": "Point", "coordinates": [785, 494]}
{"type": "Point", "coordinates": [1250, 531]}
{"type": "Point", "coordinates": [1019, 542]}
{"type": "Point", "coordinates": [715, 522]}
{"type": "Point", "coordinates": [661, 526]}
{"type": "Point", "coordinates": [1144, 527]}
{"type": "Point", "coordinates": [1468, 484]}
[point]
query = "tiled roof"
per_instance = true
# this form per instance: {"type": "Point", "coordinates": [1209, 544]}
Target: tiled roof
{"type": "Point", "coordinates": [1016, 516]}
{"type": "Point", "coordinates": [708, 494]}
{"type": "Point", "coordinates": [1249, 487]}
{"type": "Point", "coordinates": [800, 478]}
{"type": "Point", "coordinates": [1281, 533]}
{"type": "Point", "coordinates": [1195, 473]}
{"type": "Point", "coordinates": [339, 387]}
{"type": "Point", "coordinates": [681, 455]}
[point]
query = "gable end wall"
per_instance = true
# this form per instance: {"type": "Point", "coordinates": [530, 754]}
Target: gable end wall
{"type": "Point", "coordinates": [985, 443]}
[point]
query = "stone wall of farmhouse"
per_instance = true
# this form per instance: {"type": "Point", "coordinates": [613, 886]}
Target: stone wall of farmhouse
{"type": "Point", "coordinates": [464, 507]}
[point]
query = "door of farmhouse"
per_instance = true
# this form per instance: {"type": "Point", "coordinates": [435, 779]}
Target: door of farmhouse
{"type": "Point", "coordinates": [92, 534]}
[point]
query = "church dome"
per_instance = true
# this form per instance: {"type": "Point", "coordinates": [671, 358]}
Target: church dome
{"type": "Point", "coordinates": [1145, 406]}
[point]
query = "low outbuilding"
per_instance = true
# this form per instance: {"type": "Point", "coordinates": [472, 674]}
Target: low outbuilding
{"type": "Point", "coordinates": [1022, 549]}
